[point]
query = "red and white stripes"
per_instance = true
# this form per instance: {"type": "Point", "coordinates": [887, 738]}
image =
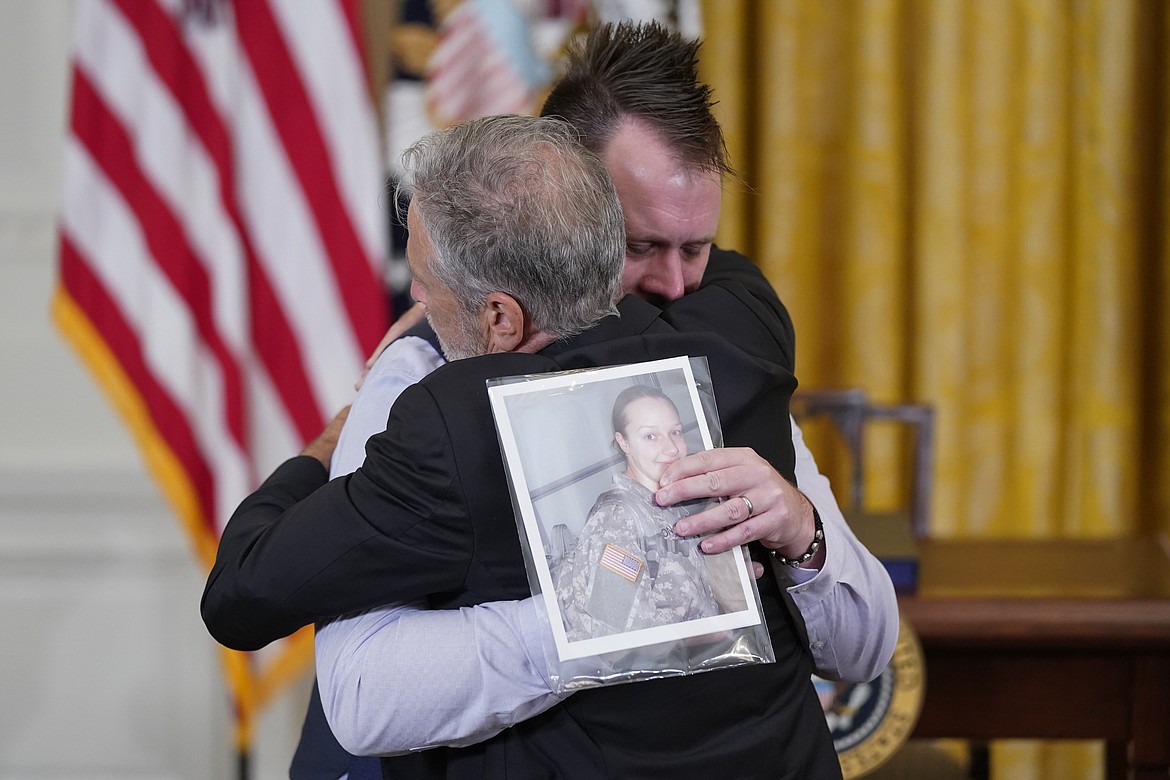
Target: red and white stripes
{"type": "Point", "coordinates": [222, 229]}
{"type": "Point", "coordinates": [472, 73]}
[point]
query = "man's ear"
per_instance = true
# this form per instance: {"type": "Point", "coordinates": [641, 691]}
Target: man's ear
{"type": "Point", "coordinates": [505, 322]}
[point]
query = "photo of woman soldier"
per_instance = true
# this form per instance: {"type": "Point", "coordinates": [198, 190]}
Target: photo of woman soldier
{"type": "Point", "coordinates": [629, 570]}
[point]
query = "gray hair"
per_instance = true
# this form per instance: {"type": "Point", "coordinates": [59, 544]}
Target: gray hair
{"type": "Point", "coordinates": [516, 204]}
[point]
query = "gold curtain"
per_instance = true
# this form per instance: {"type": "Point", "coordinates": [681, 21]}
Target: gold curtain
{"type": "Point", "coordinates": [966, 202]}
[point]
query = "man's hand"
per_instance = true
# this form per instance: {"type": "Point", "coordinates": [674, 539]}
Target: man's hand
{"type": "Point", "coordinates": [781, 517]}
{"type": "Point", "coordinates": [408, 320]}
{"type": "Point", "coordinates": [323, 446]}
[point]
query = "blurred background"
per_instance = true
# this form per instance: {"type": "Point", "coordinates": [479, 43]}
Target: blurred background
{"type": "Point", "coordinates": [962, 203]}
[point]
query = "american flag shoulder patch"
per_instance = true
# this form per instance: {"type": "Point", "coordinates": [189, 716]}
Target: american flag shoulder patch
{"type": "Point", "coordinates": [620, 562]}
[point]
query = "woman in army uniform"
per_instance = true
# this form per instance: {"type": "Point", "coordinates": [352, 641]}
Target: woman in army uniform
{"type": "Point", "coordinates": [629, 570]}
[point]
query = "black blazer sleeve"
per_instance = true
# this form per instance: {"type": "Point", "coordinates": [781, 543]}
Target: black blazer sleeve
{"type": "Point", "coordinates": [298, 550]}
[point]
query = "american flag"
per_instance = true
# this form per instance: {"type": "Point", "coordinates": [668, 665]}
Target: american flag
{"type": "Point", "coordinates": [222, 242]}
{"type": "Point", "coordinates": [621, 562]}
{"type": "Point", "coordinates": [483, 63]}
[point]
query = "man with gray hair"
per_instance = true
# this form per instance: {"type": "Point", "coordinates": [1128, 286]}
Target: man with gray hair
{"type": "Point", "coordinates": [428, 515]}
{"type": "Point", "coordinates": [507, 208]}
{"type": "Point", "coordinates": [632, 91]}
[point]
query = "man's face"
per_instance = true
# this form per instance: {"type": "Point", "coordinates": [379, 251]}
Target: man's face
{"type": "Point", "coordinates": [457, 332]}
{"type": "Point", "coordinates": [671, 215]}
{"type": "Point", "coordinates": [652, 439]}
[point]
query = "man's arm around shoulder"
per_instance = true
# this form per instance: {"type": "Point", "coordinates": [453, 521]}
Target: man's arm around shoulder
{"type": "Point", "coordinates": [229, 605]}
{"type": "Point", "coordinates": [483, 669]}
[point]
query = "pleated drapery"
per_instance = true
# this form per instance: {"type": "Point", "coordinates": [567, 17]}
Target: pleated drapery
{"type": "Point", "coordinates": [966, 202]}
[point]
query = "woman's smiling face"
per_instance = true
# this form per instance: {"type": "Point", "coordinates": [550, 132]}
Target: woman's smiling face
{"type": "Point", "coordinates": [652, 439]}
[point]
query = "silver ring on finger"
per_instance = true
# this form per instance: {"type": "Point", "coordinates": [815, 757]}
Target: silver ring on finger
{"type": "Point", "coordinates": [751, 509]}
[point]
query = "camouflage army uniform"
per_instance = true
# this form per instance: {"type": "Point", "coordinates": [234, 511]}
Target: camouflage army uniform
{"type": "Point", "coordinates": [630, 570]}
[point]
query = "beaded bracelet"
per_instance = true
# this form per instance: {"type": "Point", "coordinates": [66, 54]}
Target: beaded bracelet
{"type": "Point", "coordinates": [818, 537]}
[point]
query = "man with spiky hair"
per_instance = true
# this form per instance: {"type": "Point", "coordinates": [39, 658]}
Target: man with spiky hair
{"type": "Point", "coordinates": [633, 94]}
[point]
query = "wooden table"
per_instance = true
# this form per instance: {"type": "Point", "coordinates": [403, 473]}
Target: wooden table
{"type": "Point", "coordinates": [1048, 640]}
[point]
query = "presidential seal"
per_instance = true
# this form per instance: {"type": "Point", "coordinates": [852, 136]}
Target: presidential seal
{"type": "Point", "coordinates": [871, 721]}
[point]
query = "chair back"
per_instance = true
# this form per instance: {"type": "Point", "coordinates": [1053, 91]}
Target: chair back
{"type": "Point", "coordinates": [850, 410]}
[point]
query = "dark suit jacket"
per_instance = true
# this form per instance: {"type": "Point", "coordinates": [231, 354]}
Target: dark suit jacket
{"type": "Point", "coordinates": [429, 516]}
